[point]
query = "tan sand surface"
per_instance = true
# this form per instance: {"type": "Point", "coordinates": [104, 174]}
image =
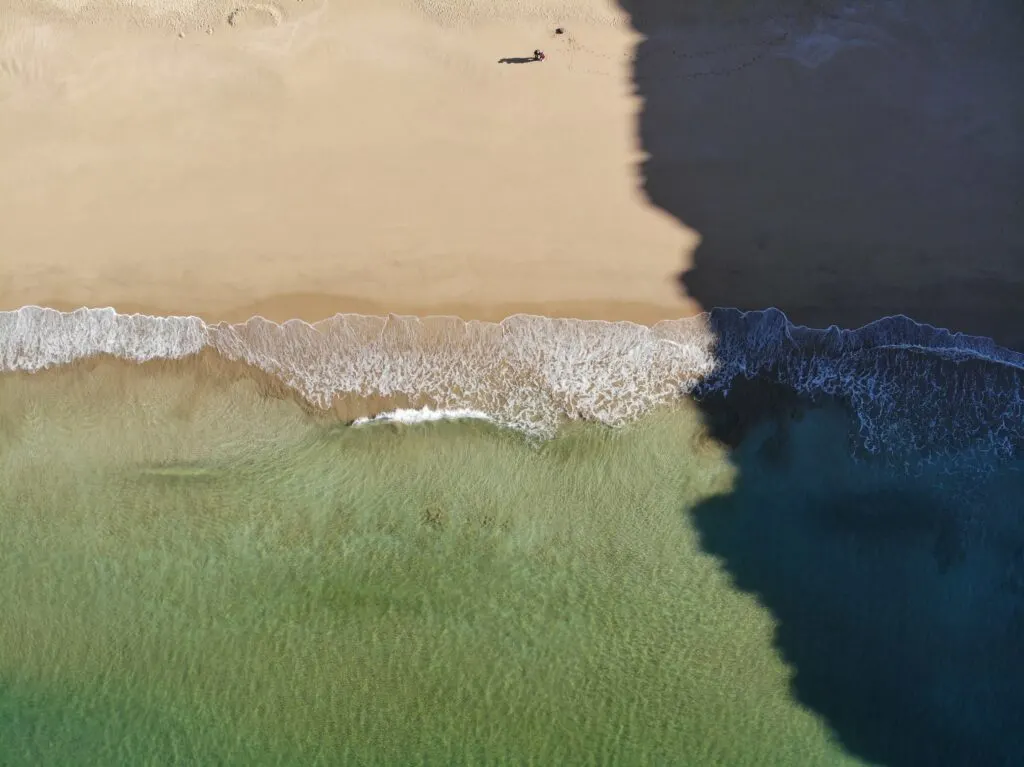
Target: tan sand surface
{"type": "Point", "coordinates": [303, 157]}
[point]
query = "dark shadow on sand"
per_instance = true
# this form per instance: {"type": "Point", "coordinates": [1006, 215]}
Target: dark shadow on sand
{"type": "Point", "coordinates": [519, 60]}
{"type": "Point", "coordinates": [886, 180]}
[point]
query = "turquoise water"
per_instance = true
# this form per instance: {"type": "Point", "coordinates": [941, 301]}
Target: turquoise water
{"type": "Point", "coordinates": [201, 570]}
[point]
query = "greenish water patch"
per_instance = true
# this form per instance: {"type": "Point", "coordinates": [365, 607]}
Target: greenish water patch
{"type": "Point", "coordinates": [183, 471]}
{"type": "Point", "coordinates": [232, 582]}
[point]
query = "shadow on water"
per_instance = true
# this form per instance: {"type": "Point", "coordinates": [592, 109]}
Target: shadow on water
{"type": "Point", "coordinates": [903, 627]}
{"type": "Point", "coordinates": [883, 179]}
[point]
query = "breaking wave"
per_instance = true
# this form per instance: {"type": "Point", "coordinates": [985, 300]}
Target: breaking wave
{"type": "Point", "coordinates": [914, 388]}
{"type": "Point", "coordinates": [423, 415]}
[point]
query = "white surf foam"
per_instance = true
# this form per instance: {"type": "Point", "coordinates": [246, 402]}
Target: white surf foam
{"type": "Point", "coordinates": [534, 373]}
{"type": "Point", "coordinates": [410, 416]}
{"type": "Point", "coordinates": [33, 338]}
{"type": "Point", "coordinates": [527, 372]}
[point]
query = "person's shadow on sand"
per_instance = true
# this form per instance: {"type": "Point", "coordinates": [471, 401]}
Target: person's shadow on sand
{"type": "Point", "coordinates": [519, 60]}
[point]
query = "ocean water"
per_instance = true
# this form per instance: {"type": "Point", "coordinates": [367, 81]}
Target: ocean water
{"type": "Point", "coordinates": [718, 541]}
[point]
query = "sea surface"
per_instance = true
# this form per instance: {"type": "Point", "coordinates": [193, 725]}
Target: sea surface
{"type": "Point", "coordinates": [725, 540]}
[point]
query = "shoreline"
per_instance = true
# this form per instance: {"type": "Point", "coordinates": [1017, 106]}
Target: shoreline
{"type": "Point", "coordinates": [315, 307]}
{"type": "Point", "coordinates": [536, 374]}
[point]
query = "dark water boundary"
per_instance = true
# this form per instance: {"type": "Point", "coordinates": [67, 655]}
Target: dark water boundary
{"type": "Point", "coordinates": [899, 601]}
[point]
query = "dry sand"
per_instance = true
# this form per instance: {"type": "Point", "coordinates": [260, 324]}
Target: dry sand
{"type": "Point", "coordinates": [304, 157]}
{"type": "Point", "coordinates": [309, 157]}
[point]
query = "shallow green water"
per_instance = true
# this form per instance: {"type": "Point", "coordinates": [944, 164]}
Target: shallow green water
{"type": "Point", "coordinates": [198, 575]}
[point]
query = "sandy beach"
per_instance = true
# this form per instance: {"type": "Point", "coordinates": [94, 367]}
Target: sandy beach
{"type": "Point", "coordinates": [371, 157]}
{"type": "Point", "coordinates": [302, 158]}
{"type": "Point", "coordinates": [710, 539]}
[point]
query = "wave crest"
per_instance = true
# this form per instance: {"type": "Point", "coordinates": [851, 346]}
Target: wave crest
{"type": "Point", "coordinates": [527, 372]}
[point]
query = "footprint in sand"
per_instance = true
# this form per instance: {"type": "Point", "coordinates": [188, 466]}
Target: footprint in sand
{"type": "Point", "coordinates": [255, 16]}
